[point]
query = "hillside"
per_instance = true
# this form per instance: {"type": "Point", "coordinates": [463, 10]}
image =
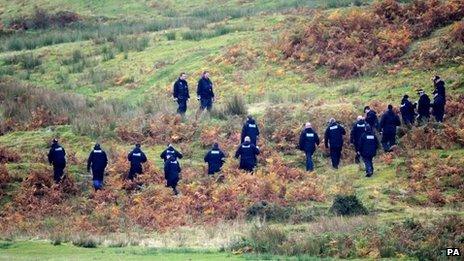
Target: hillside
{"type": "Point", "coordinates": [87, 72]}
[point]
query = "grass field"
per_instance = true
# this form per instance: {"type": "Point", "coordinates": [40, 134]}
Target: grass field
{"type": "Point", "coordinates": [45, 251]}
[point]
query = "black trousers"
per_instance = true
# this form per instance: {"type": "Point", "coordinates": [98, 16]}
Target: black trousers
{"type": "Point", "coordinates": [335, 156]}
{"type": "Point", "coordinates": [134, 170]}
{"type": "Point", "coordinates": [58, 172]}
{"type": "Point", "coordinates": [182, 106]}
{"type": "Point", "coordinates": [388, 140]}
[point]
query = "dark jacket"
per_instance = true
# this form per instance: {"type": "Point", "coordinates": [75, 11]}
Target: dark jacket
{"type": "Point", "coordinates": [170, 151]}
{"type": "Point", "coordinates": [57, 155]}
{"type": "Point", "coordinates": [440, 88]}
{"type": "Point", "coordinates": [181, 90]}
{"type": "Point", "coordinates": [334, 135]}
{"type": "Point", "coordinates": [98, 162]}
{"type": "Point", "coordinates": [407, 110]}
{"type": "Point", "coordinates": [357, 131]}
{"type": "Point", "coordinates": [438, 105]}
{"type": "Point", "coordinates": [423, 108]}
{"type": "Point", "coordinates": [247, 153]}
{"type": "Point", "coordinates": [308, 140]}
{"type": "Point", "coordinates": [250, 129]}
{"type": "Point", "coordinates": [389, 122]}
{"type": "Point", "coordinates": [171, 171]}
{"type": "Point", "coordinates": [372, 120]}
{"type": "Point", "coordinates": [136, 157]}
{"type": "Point", "coordinates": [215, 160]}
{"type": "Point", "coordinates": [368, 144]}
{"type": "Point", "coordinates": [205, 89]}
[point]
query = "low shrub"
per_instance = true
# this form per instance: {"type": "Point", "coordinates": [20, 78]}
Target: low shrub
{"type": "Point", "coordinates": [27, 61]}
{"type": "Point", "coordinates": [85, 241]}
{"type": "Point", "coordinates": [268, 211]}
{"type": "Point", "coordinates": [267, 239]}
{"type": "Point", "coordinates": [4, 177]}
{"type": "Point", "coordinates": [171, 36]}
{"type": "Point", "coordinates": [41, 19]}
{"type": "Point", "coordinates": [132, 43]}
{"type": "Point", "coordinates": [107, 53]}
{"type": "Point", "coordinates": [8, 155]}
{"type": "Point", "coordinates": [347, 206]}
{"type": "Point", "coordinates": [233, 106]}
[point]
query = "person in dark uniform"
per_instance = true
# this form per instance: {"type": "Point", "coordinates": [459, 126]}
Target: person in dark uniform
{"type": "Point", "coordinates": [181, 93]}
{"type": "Point", "coordinates": [57, 158]}
{"type": "Point", "coordinates": [358, 129]}
{"type": "Point", "coordinates": [169, 151]}
{"type": "Point", "coordinates": [172, 172]}
{"type": "Point", "coordinates": [423, 107]}
{"type": "Point", "coordinates": [247, 153]}
{"type": "Point", "coordinates": [215, 159]}
{"type": "Point", "coordinates": [250, 129]}
{"type": "Point", "coordinates": [97, 161]}
{"type": "Point", "coordinates": [371, 117]}
{"type": "Point", "coordinates": [368, 146]}
{"type": "Point", "coordinates": [407, 111]}
{"type": "Point", "coordinates": [136, 158]}
{"type": "Point", "coordinates": [388, 125]}
{"type": "Point", "coordinates": [205, 92]}
{"type": "Point", "coordinates": [309, 140]}
{"type": "Point", "coordinates": [439, 85]}
{"type": "Point", "coordinates": [438, 107]}
{"type": "Point", "coordinates": [334, 137]}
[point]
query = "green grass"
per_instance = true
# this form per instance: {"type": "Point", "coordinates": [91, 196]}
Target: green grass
{"type": "Point", "coordinates": [33, 250]}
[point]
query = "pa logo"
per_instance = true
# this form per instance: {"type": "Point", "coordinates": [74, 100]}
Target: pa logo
{"type": "Point", "coordinates": [453, 252]}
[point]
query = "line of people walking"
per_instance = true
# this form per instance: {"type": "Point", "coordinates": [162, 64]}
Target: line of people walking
{"type": "Point", "coordinates": [363, 137]}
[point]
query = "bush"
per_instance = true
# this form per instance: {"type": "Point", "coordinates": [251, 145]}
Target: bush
{"type": "Point", "coordinates": [194, 35]}
{"type": "Point", "coordinates": [267, 239]}
{"type": "Point", "coordinates": [234, 106]}
{"type": "Point", "coordinates": [351, 89]}
{"type": "Point", "coordinates": [100, 78]}
{"type": "Point", "coordinates": [107, 53]}
{"type": "Point", "coordinates": [171, 36]}
{"type": "Point", "coordinates": [8, 155]}
{"type": "Point", "coordinates": [347, 206]}
{"type": "Point", "coordinates": [27, 61]}
{"type": "Point", "coordinates": [76, 57]}
{"type": "Point", "coordinates": [85, 241]}
{"type": "Point", "coordinates": [201, 33]}
{"type": "Point", "coordinates": [133, 43]}
{"type": "Point", "coordinates": [268, 211]}
{"type": "Point", "coordinates": [41, 19]}
{"type": "Point", "coordinates": [4, 177]}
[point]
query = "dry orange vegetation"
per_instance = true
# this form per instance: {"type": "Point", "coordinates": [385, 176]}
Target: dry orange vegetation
{"type": "Point", "coordinates": [203, 199]}
{"type": "Point", "coordinates": [350, 44]}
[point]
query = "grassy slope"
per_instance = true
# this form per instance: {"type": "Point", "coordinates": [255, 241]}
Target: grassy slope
{"type": "Point", "coordinates": [143, 9]}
